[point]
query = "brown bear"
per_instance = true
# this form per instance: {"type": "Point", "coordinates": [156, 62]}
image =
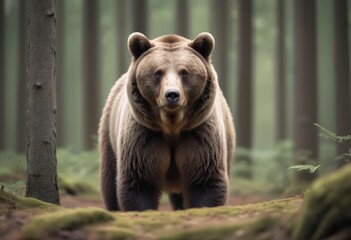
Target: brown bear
{"type": "Point", "coordinates": [166, 127]}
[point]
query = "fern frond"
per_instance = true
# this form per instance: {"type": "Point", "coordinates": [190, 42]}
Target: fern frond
{"type": "Point", "coordinates": [310, 168]}
{"type": "Point", "coordinates": [327, 134]}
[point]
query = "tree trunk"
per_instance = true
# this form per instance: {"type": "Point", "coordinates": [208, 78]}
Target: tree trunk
{"type": "Point", "coordinates": [21, 79]}
{"type": "Point", "coordinates": [91, 62]}
{"type": "Point", "coordinates": [41, 87]}
{"type": "Point", "coordinates": [121, 36]}
{"type": "Point", "coordinates": [60, 73]}
{"type": "Point", "coordinates": [219, 29]}
{"type": "Point", "coordinates": [305, 92]}
{"type": "Point", "coordinates": [342, 77]}
{"type": "Point", "coordinates": [2, 74]}
{"type": "Point", "coordinates": [182, 16]}
{"type": "Point", "coordinates": [244, 112]}
{"type": "Point", "coordinates": [281, 93]}
{"type": "Point", "coordinates": [140, 10]}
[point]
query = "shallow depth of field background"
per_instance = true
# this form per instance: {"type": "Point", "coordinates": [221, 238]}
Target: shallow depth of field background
{"type": "Point", "coordinates": [79, 165]}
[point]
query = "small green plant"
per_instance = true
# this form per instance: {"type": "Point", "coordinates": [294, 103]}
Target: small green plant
{"type": "Point", "coordinates": [327, 134]}
{"type": "Point", "coordinates": [16, 188]}
{"type": "Point", "coordinates": [310, 168]}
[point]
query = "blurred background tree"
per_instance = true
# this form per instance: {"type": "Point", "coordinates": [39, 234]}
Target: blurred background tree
{"type": "Point", "coordinates": [342, 76]}
{"type": "Point", "coordinates": [21, 77]}
{"type": "Point", "coordinates": [91, 63]}
{"type": "Point", "coordinates": [2, 75]}
{"type": "Point", "coordinates": [282, 69]}
{"type": "Point", "coordinates": [245, 103]}
{"type": "Point", "coordinates": [305, 88]}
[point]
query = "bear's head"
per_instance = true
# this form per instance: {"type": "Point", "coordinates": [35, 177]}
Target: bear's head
{"type": "Point", "coordinates": [172, 84]}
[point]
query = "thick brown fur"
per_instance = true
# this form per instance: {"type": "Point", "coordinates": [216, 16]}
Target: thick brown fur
{"type": "Point", "coordinates": [152, 141]}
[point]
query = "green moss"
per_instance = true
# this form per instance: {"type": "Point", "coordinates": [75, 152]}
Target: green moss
{"type": "Point", "coordinates": [209, 233]}
{"type": "Point", "coordinates": [14, 202]}
{"type": "Point", "coordinates": [253, 221]}
{"type": "Point", "coordinates": [326, 209]}
{"type": "Point", "coordinates": [116, 234]}
{"type": "Point", "coordinates": [69, 219]}
{"type": "Point", "coordinates": [260, 228]}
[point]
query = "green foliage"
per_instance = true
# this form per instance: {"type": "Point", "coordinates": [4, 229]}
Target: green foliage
{"type": "Point", "coordinates": [264, 163]}
{"type": "Point", "coordinates": [78, 173]}
{"type": "Point", "coordinates": [12, 173]}
{"type": "Point", "coordinates": [304, 156]}
{"type": "Point", "coordinates": [16, 188]}
{"type": "Point", "coordinates": [12, 164]}
{"type": "Point", "coordinates": [76, 187]}
{"type": "Point", "coordinates": [327, 134]}
{"type": "Point", "coordinates": [309, 168]}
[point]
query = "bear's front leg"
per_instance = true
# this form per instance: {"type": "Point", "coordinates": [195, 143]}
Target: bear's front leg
{"type": "Point", "coordinates": [138, 196]}
{"type": "Point", "coordinates": [212, 193]}
{"type": "Point", "coordinates": [202, 160]}
{"type": "Point", "coordinates": [143, 161]}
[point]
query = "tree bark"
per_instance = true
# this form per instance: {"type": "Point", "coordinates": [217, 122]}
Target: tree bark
{"type": "Point", "coordinates": [140, 17]}
{"type": "Point", "coordinates": [91, 74]}
{"type": "Point", "coordinates": [21, 79]}
{"type": "Point", "coordinates": [305, 92]}
{"type": "Point", "coordinates": [2, 74]}
{"type": "Point", "coordinates": [220, 31]}
{"type": "Point", "coordinates": [60, 73]}
{"type": "Point", "coordinates": [182, 18]}
{"type": "Point", "coordinates": [281, 92]}
{"type": "Point", "coordinates": [244, 112]}
{"type": "Point", "coordinates": [41, 111]}
{"type": "Point", "coordinates": [121, 36]}
{"type": "Point", "coordinates": [342, 77]}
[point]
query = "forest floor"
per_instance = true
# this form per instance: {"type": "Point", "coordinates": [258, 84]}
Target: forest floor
{"type": "Point", "coordinates": [255, 210]}
{"type": "Point", "coordinates": [84, 218]}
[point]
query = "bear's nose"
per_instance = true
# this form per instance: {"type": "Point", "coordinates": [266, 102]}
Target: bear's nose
{"type": "Point", "coordinates": [172, 96]}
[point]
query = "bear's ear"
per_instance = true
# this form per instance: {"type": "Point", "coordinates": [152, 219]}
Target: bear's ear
{"type": "Point", "coordinates": [203, 44]}
{"type": "Point", "coordinates": [138, 43]}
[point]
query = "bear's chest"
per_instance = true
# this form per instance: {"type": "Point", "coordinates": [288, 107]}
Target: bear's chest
{"type": "Point", "coordinates": [173, 181]}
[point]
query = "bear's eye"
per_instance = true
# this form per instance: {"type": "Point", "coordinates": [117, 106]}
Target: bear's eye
{"type": "Point", "coordinates": [184, 74]}
{"type": "Point", "coordinates": [158, 75]}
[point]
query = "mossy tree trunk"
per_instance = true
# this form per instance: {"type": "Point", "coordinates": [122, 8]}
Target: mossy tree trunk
{"type": "Point", "coordinates": [41, 111]}
{"type": "Point", "coordinates": [305, 92]}
{"type": "Point", "coordinates": [2, 74]}
{"type": "Point", "coordinates": [342, 77]}
{"type": "Point", "coordinates": [244, 112]}
{"type": "Point", "coordinates": [91, 72]}
{"type": "Point", "coordinates": [182, 18]}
